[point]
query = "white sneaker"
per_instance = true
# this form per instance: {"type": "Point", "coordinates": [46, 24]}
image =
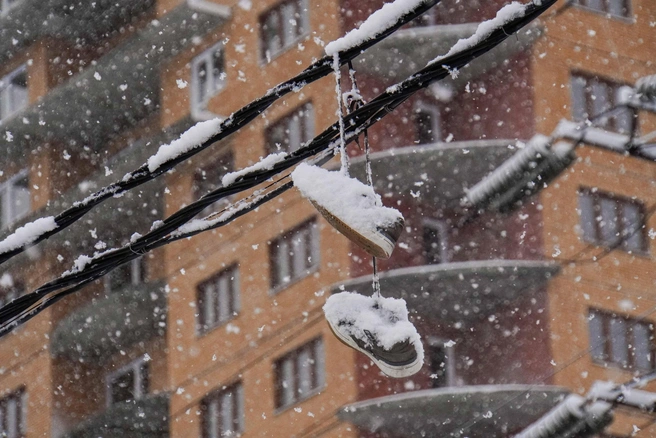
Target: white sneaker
{"type": "Point", "coordinates": [352, 207]}
{"type": "Point", "coordinates": [379, 328]}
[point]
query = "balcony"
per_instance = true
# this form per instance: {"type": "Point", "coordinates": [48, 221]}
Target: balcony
{"type": "Point", "coordinates": [145, 418]}
{"type": "Point", "coordinates": [462, 291]}
{"type": "Point", "coordinates": [122, 87]}
{"type": "Point", "coordinates": [500, 410]}
{"type": "Point", "coordinates": [443, 170]}
{"type": "Point", "coordinates": [409, 50]}
{"type": "Point", "coordinates": [31, 20]}
{"type": "Point", "coordinates": [105, 326]}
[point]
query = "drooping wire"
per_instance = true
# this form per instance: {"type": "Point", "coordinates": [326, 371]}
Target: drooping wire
{"type": "Point", "coordinates": [27, 306]}
{"type": "Point", "coordinates": [232, 124]}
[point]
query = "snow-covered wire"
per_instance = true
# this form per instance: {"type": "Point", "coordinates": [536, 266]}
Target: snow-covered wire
{"type": "Point", "coordinates": [205, 134]}
{"type": "Point", "coordinates": [27, 306]}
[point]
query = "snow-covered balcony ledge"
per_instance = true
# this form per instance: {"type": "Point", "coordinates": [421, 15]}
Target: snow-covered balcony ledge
{"type": "Point", "coordinates": [147, 417]}
{"type": "Point", "coordinates": [461, 290]}
{"type": "Point", "coordinates": [441, 412]}
{"type": "Point", "coordinates": [409, 50]}
{"type": "Point", "coordinates": [30, 20]}
{"type": "Point", "coordinates": [100, 329]}
{"type": "Point", "coordinates": [123, 87]}
{"type": "Point", "coordinates": [435, 173]}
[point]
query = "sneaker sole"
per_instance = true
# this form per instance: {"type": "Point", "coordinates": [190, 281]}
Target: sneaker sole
{"type": "Point", "coordinates": [377, 245]}
{"type": "Point", "coordinates": [397, 372]}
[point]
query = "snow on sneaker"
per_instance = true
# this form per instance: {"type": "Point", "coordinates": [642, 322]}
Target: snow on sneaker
{"type": "Point", "coordinates": [379, 328]}
{"type": "Point", "coordinates": [352, 207]}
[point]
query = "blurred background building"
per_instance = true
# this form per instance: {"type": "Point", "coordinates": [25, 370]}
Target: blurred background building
{"type": "Point", "coordinates": [223, 334]}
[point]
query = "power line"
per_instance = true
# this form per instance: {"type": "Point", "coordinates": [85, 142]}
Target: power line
{"type": "Point", "coordinates": [27, 306]}
{"type": "Point", "coordinates": [232, 124]}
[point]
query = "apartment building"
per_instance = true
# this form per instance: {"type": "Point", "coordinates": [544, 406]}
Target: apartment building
{"type": "Point", "coordinates": [223, 333]}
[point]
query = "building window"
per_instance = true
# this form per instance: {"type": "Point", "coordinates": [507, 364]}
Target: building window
{"type": "Point", "coordinates": [621, 341]}
{"type": "Point", "coordinates": [299, 374]}
{"type": "Point", "coordinates": [593, 96]}
{"type": "Point", "coordinates": [435, 242]}
{"type": "Point", "coordinates": [440, 357]}
{"type": "Point", "coordinates": [14, 198]}
{"type": "Point", "coordinates": [426, 119]}
{"type": "Point", "coordinates": [292, 131]}
{"type": "Point", "coordinates": [12, 415]}
{"type": "Point", "coordinates": [131, 273]}
{"type": "Point", "coordinates": [13, 92]}
{"type": "Point", "coordinates": [612, 221]}
{"type": "Point", "coordinates": [218, 299]}
{"type": "Point", "coordinates": [281, 26]}
{"type": "Point", "coordinates": [222, 413]}
{"type": "Point", "coordinates": [9, 290]}
{"type": "Point", "coordinates": [294, 254]}
{"type": "Point", "coordinates": [619, 8]}
{"type": "Point", "coordinates": [208, 76]}
{"type": "Point", "coordinates": [208, 179]}
{"type": "Point", "coordinates": [128, 384]}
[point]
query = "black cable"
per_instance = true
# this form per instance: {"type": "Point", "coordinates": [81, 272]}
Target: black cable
{"type": "Point", "coordinates": [27, 306]}
{"type": "Point", "coordinates": [232, 124]}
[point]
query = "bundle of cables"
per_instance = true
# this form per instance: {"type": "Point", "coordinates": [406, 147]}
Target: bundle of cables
{"type": "Point", "coordinates": [320, 149]}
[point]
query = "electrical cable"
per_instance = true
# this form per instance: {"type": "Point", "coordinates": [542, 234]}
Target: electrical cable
{"type": "Point", "coordinates": [232, 124]}
{"type": "Point", "coordinates": [27, 306]}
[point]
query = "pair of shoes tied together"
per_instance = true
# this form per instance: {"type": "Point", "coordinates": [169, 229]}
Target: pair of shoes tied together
{"type": "Point", "coordinates": [352, 207]}
{"type": "Point", "coordinates": [379, 328]}
{"type": "Point", "coordinates": [375, 326]}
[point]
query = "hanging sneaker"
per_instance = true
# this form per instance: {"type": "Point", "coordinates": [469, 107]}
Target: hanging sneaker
{"type": "Point", "coordinates": [352, 207]}
{"type": "Point", "coordinates": [379, 328]}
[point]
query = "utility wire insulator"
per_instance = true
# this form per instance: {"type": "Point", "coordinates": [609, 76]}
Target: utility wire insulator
{"type": "Point", "coordinates": [523, 174]}
{"type": "Point", "coordinates": [574, 417]}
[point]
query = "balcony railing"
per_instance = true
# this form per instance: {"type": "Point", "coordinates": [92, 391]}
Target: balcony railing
{"type": "Point", "coordinates": [122, 87]}
{"type": "Point", "coordinates": [459, 291]}
{"type": "Point", "coordinates": [145, 418]}
{"type": "Point", "coordinates": [105, 326]}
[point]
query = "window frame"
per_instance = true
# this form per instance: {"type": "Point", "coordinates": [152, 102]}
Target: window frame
{"type": "Point", "coordinates": [141, 379]}
{"type": "Point", "coordinates": [235, 390]}
{"type": "Point", "coordinates": [138, 273]}
{"type": "Point", "coordinates": [6, 112]}
{"type": "Point", "coordinates": [628, 8]}
{"type": "Point", "coordinates": [19, 395]}
{"type": "Point", "coordinates": [213, 85]}
{"type": "Point", "coordinates": [234, 299]}
{"type": "Point", "coordinates": [596, 197]}
{"type": "Point", "coordinates": [606, 317]}
{"type": "Point", "coordinates": [581, 100]}
{"type": "Point", "coordinates": [306, 121]}
{"type": "Point", "coordinates": [317, 358]}
{"type": "Point", "coordinates": [436, 121]}
{"type": "Point", "coordinates": [266, 55]}
{"type": "Point", "coordinates": [287, 237]}
{"type": "Point", "coordinates": [450, 363]}
{"type": "Point", "coordinates": [7, 194]}
{"type": "Point", "coordinates": [441, 229]}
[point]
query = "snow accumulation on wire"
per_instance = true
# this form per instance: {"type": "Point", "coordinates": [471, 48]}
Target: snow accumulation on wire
{"type": "Point", "coordinates": [505, 15]}
{"type": "Point", "coordinates": [190, 139]}
{"type": "Point", "coordinates": [376, 24]}
{"type": "Point", "coordinates": [386, 319]}
{"type": "Point", "coordinates": [28, 233]}
{"type": "Point", "coordinates": [352, 201]}
{"type": "Point", "coordinates": [198, 225]}
{"type": "Point", "coordinates": [265, 163]}
{"type": "Point", "coordinates": [600, 137]}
